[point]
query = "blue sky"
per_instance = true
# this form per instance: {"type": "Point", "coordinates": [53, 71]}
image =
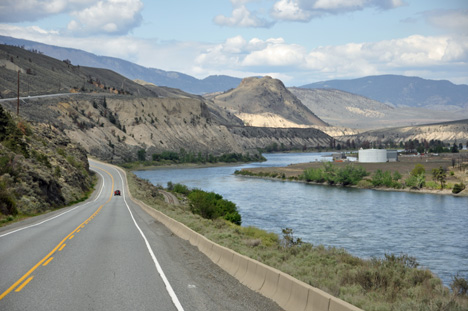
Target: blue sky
{"type": "Point", "coordinates": [297, 41]}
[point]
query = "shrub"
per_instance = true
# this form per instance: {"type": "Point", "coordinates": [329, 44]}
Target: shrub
{"type": "Point", "coordinates": [416, 181]}
{"type": "Point", "coordinates": [396, 176]}
{"type": "Point", "coordinates": [457, 188]}
{"type": "Point", "coordinates": [7, 204]}
{"type": "Point", "coordinates": [211, 205]}
{"type": "Point", "coordinates": [182, 189]}
{"type": "Point", "coordinates": [288, 238]}
{"type": "Point", "coordinates": [348, 175]}
{"type": "Point", "coordinates": [459, 286]}
{"type": "Point", "coordinates": [313, 174]}
{"type": "Point", "coordinates": [382, 179]}
{"type": "Point", "coordinates": [418, 169]}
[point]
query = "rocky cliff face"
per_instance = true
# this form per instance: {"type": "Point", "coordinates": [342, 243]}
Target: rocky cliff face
{"type": "Point", "coordinates": [40, 168]}
{"type": "Point", "coordinates": [115, 128]}
{"type": "Point", "coordinates": [114, 118]}
{"type": "Point", "coordinates": [266, 102]}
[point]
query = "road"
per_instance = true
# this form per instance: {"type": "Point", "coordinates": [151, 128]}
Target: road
{"type": "Point", "coordinates": [39, 96]}
{"type": "Point", "coordinates": [108, 254]}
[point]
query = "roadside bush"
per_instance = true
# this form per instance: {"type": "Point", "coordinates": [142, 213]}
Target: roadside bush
{"type": "Point", "coordinates": [7, 204]}
{"type": "Point", "coordinates": [182, 189]}
{"type": "Point", "coordinates": [459, 286]}
{"type": "Point", "coordinates": [211, 205]}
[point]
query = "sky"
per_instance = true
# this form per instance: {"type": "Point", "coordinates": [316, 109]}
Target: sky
{"type": "Point", "coordinates": [296, 41]}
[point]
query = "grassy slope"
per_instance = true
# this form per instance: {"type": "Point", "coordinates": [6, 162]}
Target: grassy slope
{"type": "Point", "coordinates": [392, 283]}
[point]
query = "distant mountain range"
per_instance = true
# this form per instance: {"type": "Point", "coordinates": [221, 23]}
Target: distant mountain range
{"type": "Point", "coordinates": [130, 70]}
{"type": "Point", "coordinates": [343, 109]}
{"type": "Point", "coordinates": [394, 90]}
{"type": "Point", "coordinates": [402, 91]}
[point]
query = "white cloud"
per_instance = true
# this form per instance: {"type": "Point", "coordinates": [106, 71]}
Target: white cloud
{"type": "Point", "coordinates": [438, 57]}
{"type": "Point", "coordinates": [305, 10]}
{"type": "Point", "coordinates": [242, 17]}
{"type": "Point", "coordinates": [289, 10]}
{"type": "Point", "coordinates": [276, 54]}
{"type": "Point", "coordinates": [33, 10]}
{"type": "Point", "coordinates": [413, 53]}
{"type": "Point", "coordinates": [108, 17]}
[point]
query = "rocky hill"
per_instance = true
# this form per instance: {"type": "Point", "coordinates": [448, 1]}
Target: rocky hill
{"type": "Point", "coordinates": [130, 70]}
{"type": "Point", "coordinates": [343, 109]}
{"type": "Point", "coordinates": [40, 168]}
{"type": "Point", "coordinates": [402, 91]}
{"type": "Point", "coordinates": [115, 124]}
{"type": "Point", "coordinates": [266, 102]}
{"type": "Point", "coordinates": [448, 132]}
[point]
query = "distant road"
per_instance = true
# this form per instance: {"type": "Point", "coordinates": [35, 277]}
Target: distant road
{"type": "Point", "coordinates": [54, 95]}
{"type": "Point", "coordinates": [108, 254]}
{"type": "Point", "coordinates": [38, 96]}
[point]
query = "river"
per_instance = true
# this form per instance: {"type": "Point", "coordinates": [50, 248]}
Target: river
{"type": "Point", "coordinates": [367, 223]}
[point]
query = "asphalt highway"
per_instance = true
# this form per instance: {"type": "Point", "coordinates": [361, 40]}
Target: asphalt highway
{"type": "Point", "coordinates": [108, 254]}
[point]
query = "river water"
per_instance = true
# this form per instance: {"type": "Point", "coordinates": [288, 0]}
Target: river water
{"type": "Point", "coordinates": [367, 223]}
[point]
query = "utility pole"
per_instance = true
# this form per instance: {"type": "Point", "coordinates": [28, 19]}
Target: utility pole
{"type": "Point", "coordinates": [17, 103]}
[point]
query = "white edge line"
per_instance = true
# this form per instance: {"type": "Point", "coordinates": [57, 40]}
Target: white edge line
{"type": "Point", "coordinates": [169, 289]}
{"type": "Point", "coordinates": [56, 216]}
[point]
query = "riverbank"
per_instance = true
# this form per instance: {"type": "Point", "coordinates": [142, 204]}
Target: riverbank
{"type": "Point", "coordinates": [389, 283]}
{"type": "Point", "coordinates": [456, 173]}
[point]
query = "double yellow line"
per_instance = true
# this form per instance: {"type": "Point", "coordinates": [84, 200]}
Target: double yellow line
{"type": "Point", "coordinates": [25, 279]}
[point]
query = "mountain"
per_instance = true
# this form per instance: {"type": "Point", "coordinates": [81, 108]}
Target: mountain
{"type": "Point", "coordinates": [114, 118]}
{"type": "Point", "coordinates": [343, 109]}
{"type": "Point", "coordinates": [402, 91]}
{"type": "Point", "coordinates": [266, 102]}
{"type": "Point", "coordinates": [130, 70]}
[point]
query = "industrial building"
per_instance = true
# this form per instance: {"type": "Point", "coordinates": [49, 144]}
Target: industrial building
{"type": "Point", "coordinates": [377, 156]}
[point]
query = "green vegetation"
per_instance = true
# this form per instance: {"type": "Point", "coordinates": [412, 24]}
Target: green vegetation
{"type": "Point", "coordinates": [208, 205]}
{"type": "Point", "coordinates": [211, 205]}
{"type": "Point", "coordinates": [356, 175]}
{"type": "Point", "coordinates": [345, 176]}
{"type": "Point", "coordinates": [440, 175]}
{"type": "Point", "coordinates": [184, 157]}
{"type": "Point", "coordinates": [457, 188]}
{"type": "Point", "coordinates": [394, 282]}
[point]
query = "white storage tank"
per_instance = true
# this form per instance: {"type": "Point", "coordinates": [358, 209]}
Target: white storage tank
{"type": "Point", "coordinates": [372, 155]}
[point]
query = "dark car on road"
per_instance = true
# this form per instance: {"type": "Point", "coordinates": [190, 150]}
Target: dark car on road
{"type": "Point", "coordinates": [117, 192]}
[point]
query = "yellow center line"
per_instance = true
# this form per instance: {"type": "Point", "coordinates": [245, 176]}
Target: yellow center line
{"type": "Point", "coordinates": [24, 284]}
{"type": "Point", "coordinates": [60, 246]}
{"type": "Point", "coordinates": [47, 262]}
